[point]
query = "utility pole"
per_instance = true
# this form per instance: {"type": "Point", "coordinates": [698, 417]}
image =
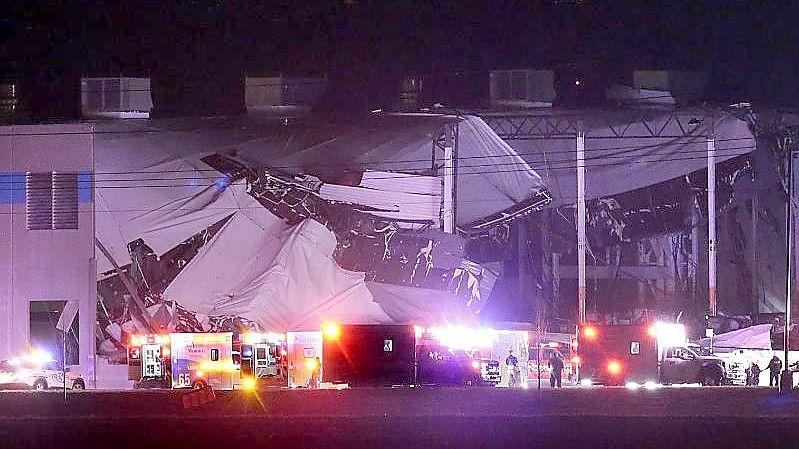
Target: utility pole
{"type": "Point", "coordinates": [450, 177]}
{"type": "Point", "coordinates": [580, 228]}
{"type": "Point", "coordinates": [711, 225]}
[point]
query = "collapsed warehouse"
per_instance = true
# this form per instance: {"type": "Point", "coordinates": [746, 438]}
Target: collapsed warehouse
{"type": "Point", "coordinates": [222, 225]}
{"type": "Point", "coordinates": [228, 224]}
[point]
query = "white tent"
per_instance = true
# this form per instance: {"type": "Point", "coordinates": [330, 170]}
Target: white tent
{"type": "Point", "coordinates": [754, 337]}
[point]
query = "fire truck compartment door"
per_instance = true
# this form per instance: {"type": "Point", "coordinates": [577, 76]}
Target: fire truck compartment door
{"type": "Point", "coordinates": [264, 357]}
{"type": "Point", "coordinates": [151, 361]}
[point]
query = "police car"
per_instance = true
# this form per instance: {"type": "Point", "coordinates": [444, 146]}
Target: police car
{"type": "Point", "coordinates": [39, 376]}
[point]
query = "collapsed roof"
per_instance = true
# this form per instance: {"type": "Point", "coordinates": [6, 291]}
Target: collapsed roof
{"type": "Point", "coordinates": [349, 243]}
{"type": "Point", "coordinates": [330, 221]}
{"type": "Point", "coordinates": [625, 149]}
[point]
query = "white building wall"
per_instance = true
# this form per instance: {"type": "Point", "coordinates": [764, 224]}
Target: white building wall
{"type": "Point", "coordinates": [45, 265]}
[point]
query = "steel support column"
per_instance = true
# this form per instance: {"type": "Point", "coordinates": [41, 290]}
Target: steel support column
{"type": "Point", "coordinates": [450, 178]}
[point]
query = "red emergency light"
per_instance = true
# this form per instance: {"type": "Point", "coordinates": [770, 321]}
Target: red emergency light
{"type": "Point", "coordinates": [614, 367]}
{"type": "Point", "coordinates": [331, 330]}
{"type": "Point", "coordinates": [589, 332]}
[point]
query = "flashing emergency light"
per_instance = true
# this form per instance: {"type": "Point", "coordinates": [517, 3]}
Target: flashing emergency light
{"type": "Point", "coordinates": [476, 364]}
{"type": "Point", "coordinates": [218, 367]}
{"type": "Point", "coordinates": [134, 340]}
{"type": "Point", "coordinates": [576, 360]}
{"type": "Point", "coordinates": [38, 357]}
{"type": "Point", "coordinates": [273, 337]}
{"type": "Point", "coordinates": [165, 351]}
{"type": "Point", "coordinates": [199, 374]}
{"type": "Point", "coordinates": [331, 330]}
{"type": "Point", "coordinates": [670, 334]}
{"type": "Point", "coordinates": [589, 332]}
{"type": "Point", "coordinates": [651, 385]}
{"type": "Point", "coordinates": [652, 331]}
{"type": "Point", "coordinates": [249, 383]}
{"type": "Point", "coordinates": [614, 367]}
{"type": "Point", "coordinates": [632, 386]}
{"type": "Point", "coordinates": [310, 364]}
{"type": "Point", "coordinates": [464, 338]}
{"type": "Point", "coordinates": [252, 338]}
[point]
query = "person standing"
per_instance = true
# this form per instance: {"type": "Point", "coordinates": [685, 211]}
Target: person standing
{"type": "Point", "coordinates": [313, 382]}
{"type": "Point", "coordinates": [512, 365]}
{"type": "Point", "coordinates": [774, 368]}
{"type": "Point", "coordinates": [556, 367]}
{"type": "Point", "coordinates": [753, 372]}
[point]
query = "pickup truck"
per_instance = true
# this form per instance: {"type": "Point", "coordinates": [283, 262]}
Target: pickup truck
{"type": "Point", "coordinates": [682, 364]}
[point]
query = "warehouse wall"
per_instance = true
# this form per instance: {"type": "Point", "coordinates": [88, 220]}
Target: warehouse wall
{"type": "Point", "coordinates": [45, 264]}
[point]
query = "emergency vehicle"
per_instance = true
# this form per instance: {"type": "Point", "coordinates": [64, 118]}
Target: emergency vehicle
{"type": "Point", "coordinates": [382, 355]}
{"type": "Point", "coordinates": [184, 360]}
{"type": "Point", "coordinates": [263, 357]}
{"type": "Point", "coordinates": [39, 371]}
{"type": "Point", "coordinates": [303, 349]}
{"type": "Point", "coordinates": [545, 351]}
{"type": "Point", "coordinates": [642, 354]}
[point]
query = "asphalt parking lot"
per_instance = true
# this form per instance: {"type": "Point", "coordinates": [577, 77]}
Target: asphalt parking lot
{"type": "Point", "coordinates": [407, 418]}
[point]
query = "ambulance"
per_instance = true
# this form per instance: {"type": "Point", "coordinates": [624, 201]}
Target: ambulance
{"type": "Point", "coordinates": [184, 360]}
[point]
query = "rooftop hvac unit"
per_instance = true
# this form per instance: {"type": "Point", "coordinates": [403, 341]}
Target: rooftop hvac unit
{"type": "Point", "coordinates": [117, 97]}
{"type": "Point", "coordinates": [684, 86]}
{"type": "Point", "coordinates": [269, 91]}
{"type": "Point", "coordinates": [522, 87]}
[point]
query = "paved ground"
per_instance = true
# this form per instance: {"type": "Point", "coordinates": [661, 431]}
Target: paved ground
{"type": "Point", "coordinates": [406, 418]}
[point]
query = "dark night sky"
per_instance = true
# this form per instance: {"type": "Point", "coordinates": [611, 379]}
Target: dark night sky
{"type": "Point", "coordinates": [748, 47]}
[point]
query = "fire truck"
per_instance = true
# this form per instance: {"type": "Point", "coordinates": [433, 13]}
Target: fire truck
{"type": "Point", "coordinates": [644, 354]}
{"type": "Point", "coordinates": [183, 360]}
{"type": "Point", "coordinates": [541, 355]}
{"type": "Point", "coordinates": [263, 357]}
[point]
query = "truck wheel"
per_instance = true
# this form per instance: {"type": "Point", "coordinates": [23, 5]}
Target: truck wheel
{"type": "Point", "coordinates": [711, 379]}
{"type": "Point", "coordinates": [40, 384]}
{"type": "Point", "coordinates": [78, 385]}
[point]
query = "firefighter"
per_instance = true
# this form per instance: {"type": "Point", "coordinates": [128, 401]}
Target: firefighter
{"type": "Point", "coordinates": [774, 368]}
{"type": "Point", "coordinates": [512, 365]}
{"type": "Point", "coordinates": [556, 367]}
